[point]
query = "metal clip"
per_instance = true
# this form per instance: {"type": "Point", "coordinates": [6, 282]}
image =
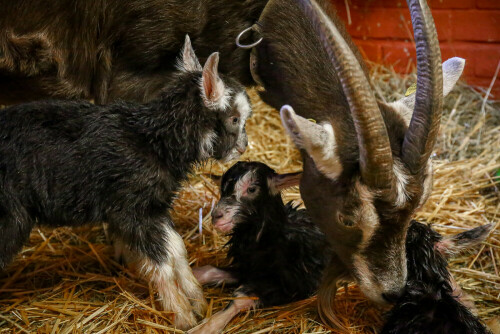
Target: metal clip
{"type": "Point", "coordinates": [248, 46]}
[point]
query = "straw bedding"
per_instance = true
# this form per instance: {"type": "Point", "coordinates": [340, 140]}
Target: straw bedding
{"type": "Point", "coordinates": [66, 281]}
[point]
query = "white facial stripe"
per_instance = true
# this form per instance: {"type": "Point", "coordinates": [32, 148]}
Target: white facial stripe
{"type": "Point", "coordinates": [401, 183]}
{"type": "Point", "coordinates": [366, 215]}
{"type": "Point", "coordinates": [243, 107]}
{"type": "Point", "coordinates": [243, 183]}
{"type": "Point", "coordinates": [364, 278]}
{"type": "Point", "coordinates": [427, 185]}
{"type": "Point", "coordinates": [207, 145]}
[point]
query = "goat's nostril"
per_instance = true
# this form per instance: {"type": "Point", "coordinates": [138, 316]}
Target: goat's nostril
{"type": "Point", "coordinates": [390, 297]}
{"type": "Point", "coordinates": [217, 215]}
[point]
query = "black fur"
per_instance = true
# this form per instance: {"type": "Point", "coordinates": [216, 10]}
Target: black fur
{"type": "Point", "coordinates": [72, 163]}
{"type": "Point", "coordinates": [276, 252]}
{"type": "Point", "coordinates": [429, 304]}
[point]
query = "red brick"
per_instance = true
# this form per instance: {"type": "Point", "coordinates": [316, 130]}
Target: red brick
{"type": "Point", "coordinates": [488, 3]}
{"type": "Point", "coordinates": [400, 55]}
{"type": "Point", "coordinates": [380, 23]}
{"type": "Point", "coordinates": [463, 50]}
{"type": "Point", "coordinates": [463, 4]}
{"type": "Point", "coordinates": [366, 5]}
{"type": "Point", "coordinates": [476, 25]}
{"type": "Point", "coordinates": [481, 58]}
{"type": "Point", "coordinates": [461, 25]}
{"type": "Point", "coordinates": [487, 58]}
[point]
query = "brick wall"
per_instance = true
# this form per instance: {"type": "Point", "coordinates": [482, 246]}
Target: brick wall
{"type": "Point", "coordinates": [466, 28]}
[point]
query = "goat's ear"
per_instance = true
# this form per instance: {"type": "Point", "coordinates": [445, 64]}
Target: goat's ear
{"type": "Point", "coordinates": [213, 88]}
{"type": "Point", "coordinates": [189, 61]}
{"type": "Point", "coordinates": [452, 70]}
{"type": "Point", "coordinates": [454, 244]}
{"type": "Point", "coordinates": [317, 140]}
{"type": "Point", "coordinates": [279, 182]}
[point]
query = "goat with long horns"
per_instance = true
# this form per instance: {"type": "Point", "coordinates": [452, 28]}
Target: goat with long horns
{"type": "Point", "coordinates": [367, 165]}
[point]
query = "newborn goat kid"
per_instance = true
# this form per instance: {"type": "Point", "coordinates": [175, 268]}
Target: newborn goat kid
{"type": "Point", "coordinates": [71, 163]}
{"type": "Point", "coordinates": [277, 253]}
{"type": "Point", "coordinates": [432, 301]}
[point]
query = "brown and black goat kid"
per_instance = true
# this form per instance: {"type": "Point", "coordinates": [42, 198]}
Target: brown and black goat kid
{"type": "Point", "coordinates": [113, 49]}
{"type": "Point", "coordinates": [432, 302]}
{"type": "Point", "coordinates": [277, 254]}
{"type": "Point", "coordinates": [72, 163]}
{"type": "Point", "coordinates": [367, 165]}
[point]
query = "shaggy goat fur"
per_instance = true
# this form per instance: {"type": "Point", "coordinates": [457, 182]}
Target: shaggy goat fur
{"type": "Point", "coordinates": [277, 254]}
{"type": "Point", "coordinates": [430, 303]}
{"type": "Point", "coordinates": [72, 163]}
{"type": "Point", "coordinates": [113, 49]}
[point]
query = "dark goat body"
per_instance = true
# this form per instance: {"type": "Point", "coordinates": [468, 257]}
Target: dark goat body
{"type": "Point", "coordinates": [113, 49]}
{"type": "Point", "coordinates": [73, 163]}
{"type": "Point", "coordinates": [430, 304]}
{"type": "Point", "coordinates": [276, 253]}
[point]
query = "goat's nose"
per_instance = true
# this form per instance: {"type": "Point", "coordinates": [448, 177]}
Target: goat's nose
{"type": "Point", "coordinates": [241, 150]}
{"type": "Point", "coordinates": [391, 297]}
{"type": "Point", "coordinates": [217, 214]}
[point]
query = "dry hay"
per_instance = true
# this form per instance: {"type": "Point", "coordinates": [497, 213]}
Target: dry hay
{"type": "Point", "coordinates": [66, 281]}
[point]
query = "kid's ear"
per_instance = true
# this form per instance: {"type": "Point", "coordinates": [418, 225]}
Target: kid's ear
{"type": "Point", "coordinates": [454, 244]}
{"type": "Point", "coordinates": [189, 62]}
{"type": "Point", "coordinates": [213, 88]}
{"type": "Point", "coordinates": [279, 182]}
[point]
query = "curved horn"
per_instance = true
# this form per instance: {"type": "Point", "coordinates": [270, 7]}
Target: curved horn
{"type": "Point", "coordinates": [375, 155]}
{"type": "Point", "coordinates": [424, 125]}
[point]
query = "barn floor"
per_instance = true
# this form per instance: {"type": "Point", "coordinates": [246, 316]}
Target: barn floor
{"type": "Point", "coordinates": [66, 281]}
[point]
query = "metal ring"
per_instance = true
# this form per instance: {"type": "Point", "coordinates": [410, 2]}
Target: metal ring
{"type": "Point", "coordinates": [249, 46]}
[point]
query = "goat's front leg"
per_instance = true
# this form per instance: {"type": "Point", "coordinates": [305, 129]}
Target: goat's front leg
{"type": "Point", "coordinates": [213, 275]}
{"type": "Point", "coordinates": [160, 255]}
{"type": "Point", "coordinates": [217, 322]}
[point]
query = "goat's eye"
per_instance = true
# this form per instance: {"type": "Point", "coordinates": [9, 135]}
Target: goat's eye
{"type": "Point", "coordinates": [344, 221]}
{"type": "Point", "coordinates": [235, 120]}
{"type": "Point", "coordinates": [251, 190]}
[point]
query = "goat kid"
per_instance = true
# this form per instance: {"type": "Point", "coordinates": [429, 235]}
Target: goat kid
{"type": "Point", "coordinates": [367, 165]}
{"type": "Point", "coordinates": [432, 302]}
{"type": "Point", "coordinates": [277, 254]}
{"type": "Point", "coordinates": [71, 163]}
{"type": "Point", "coordinates": [114, 49]}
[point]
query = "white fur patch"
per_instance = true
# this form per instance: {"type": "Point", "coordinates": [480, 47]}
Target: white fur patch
{"type": "Point", "coordinates": [243, 106]}
{"type": "Point", "coordinates": [207, 145]}
{"type": "Point", "coordinates": [329, 164]}
{"type": "Point", "coordinates": [401, 183]}
{"type": "Point", "coordinates": [178, 289]}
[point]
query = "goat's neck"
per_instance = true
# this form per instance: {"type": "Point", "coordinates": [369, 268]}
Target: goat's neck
{"type": "Point", "coordinates": [173, 130]}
